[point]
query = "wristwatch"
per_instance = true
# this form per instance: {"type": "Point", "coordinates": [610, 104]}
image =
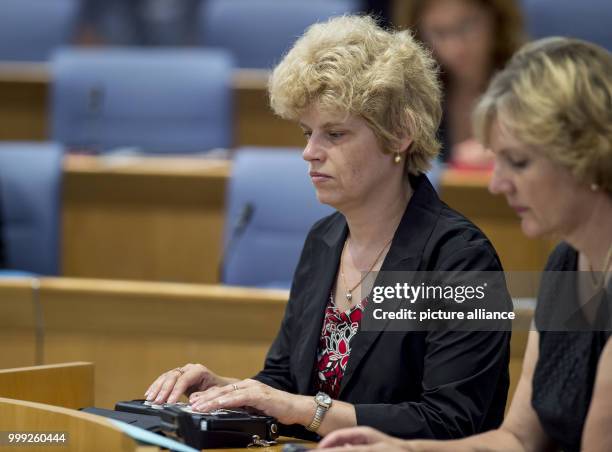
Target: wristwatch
{"type": "Point", "coordinates": [324, 402]}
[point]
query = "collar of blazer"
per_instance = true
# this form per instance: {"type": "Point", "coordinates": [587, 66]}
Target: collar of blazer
{"type": "Point", "coordinates": [406, 254]}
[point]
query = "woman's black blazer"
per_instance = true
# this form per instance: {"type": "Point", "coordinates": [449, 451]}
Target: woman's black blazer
{"type": "Point", "coordinates": [439, 384]}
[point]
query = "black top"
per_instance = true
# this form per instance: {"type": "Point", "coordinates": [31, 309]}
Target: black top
{"type": "Point", "coordinates": [567, 364]}
{"type": "Point", "coordinates": [437, 384]}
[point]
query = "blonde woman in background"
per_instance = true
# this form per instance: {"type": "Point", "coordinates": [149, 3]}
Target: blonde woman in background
{"type": "Point", "coordinates": [548, 120]}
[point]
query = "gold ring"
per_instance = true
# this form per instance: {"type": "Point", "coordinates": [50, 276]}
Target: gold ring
{"type": "Point", "coordinates": [235, 386]}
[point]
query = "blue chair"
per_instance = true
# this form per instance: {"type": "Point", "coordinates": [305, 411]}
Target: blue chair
{"type": "Point", "coordinates": [590, 20]}
{"type": "Point", "coordinates": [151, 100]}
{"type": "Point", "coordinates": [259, 32]}
{"type": "Point", "coordinates": [30, 181]}
{"type": "Point", "coordinates": [271, 205]}
{"type": "Point", "coordinates": [435, 174]}
{"type": "Point", "coordinates": [31, 29]}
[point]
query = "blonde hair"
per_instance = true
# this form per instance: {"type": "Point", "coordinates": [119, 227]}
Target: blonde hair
{"type": "Point", "coordinates": [555, 95]}
{"type": "Point", "coordinates": [349, 64]}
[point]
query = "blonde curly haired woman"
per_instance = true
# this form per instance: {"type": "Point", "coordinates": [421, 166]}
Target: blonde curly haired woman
{"type": "Point", "coordinates": [368, 102]}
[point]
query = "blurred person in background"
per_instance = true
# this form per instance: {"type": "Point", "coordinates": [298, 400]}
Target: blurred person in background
{"type": "Point", "coordinates": [471, 39]}
{"type": "Point", "coordinates": [548, 120]}
{"type": "Point", "coordinates": [138, 22]}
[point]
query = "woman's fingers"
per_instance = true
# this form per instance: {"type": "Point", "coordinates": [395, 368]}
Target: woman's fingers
{"type": "Point", "coordinates": [354, 436]}
{"type": "Point", "coordinates": [211, 394]}
{"type": "Point", "coordinates": [191, 375]}
{"type": "Point", "coordinates": [153, 390]}
{"type": "Point", "coordinates": [252, 394]}
{"type": "Point", "coordinates": [169, 386]}
{"type": "Point", "coordinates": [228, 400]}
{"type": "Point", "coordinates": [166, 387]}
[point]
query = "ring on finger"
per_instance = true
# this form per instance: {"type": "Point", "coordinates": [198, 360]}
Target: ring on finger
{"type": "Point", "coordinates": [180, 370]}
{"type": "Point", "coordinates": [235, 386]}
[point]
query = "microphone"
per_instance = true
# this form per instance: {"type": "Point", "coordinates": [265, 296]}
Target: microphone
{"type": "Point", "coordinates": [96, 100]}
{"type": "Point", "coordinates": [244, 219]}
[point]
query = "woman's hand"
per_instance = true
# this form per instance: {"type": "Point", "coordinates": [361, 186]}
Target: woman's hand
{"type": "Point", "coordinates": [169, 386]}
{"type": "Point", "coordinates": [361, 439]}
{"type": "Point", "coordinates": [287, 408]}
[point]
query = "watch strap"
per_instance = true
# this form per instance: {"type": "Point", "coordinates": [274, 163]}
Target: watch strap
{"type": "Point", "coordinates": [318, 416]}
{"type": "Point", "coordinates": [317, 419]}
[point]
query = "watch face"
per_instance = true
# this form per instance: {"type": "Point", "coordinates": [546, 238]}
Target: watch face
{"type": "Point", "coordinates": [323, 399]}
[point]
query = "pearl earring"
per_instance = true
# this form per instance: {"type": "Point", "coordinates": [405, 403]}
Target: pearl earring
{"type": "Point", "coordinates": [398, 158]}
{"type": "Point", "coordinates": [594, 187]}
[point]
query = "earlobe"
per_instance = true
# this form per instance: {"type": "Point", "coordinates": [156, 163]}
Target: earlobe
{"type": "Point", "coordinates": [405, 145]}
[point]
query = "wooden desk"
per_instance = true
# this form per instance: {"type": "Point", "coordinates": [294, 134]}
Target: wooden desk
{"type": "Point", "coordinates": [150, 219]}
{"type": "Point", "coordinates": [24, 103]}
{"type": "Point", "coordinates": [70, 385]}
{"type": "Point", "coordinates": [276, 448]}
{"type": "Point", "coordinates": [256, 124]}
{"type": "Point", "coordinates": [86, 432]}
{"type": "Point", "coordinates": [24, 92]}
{"type": "Point", "coordinates": [53, 388]}
{"type": "Point", "coordinates": [20, 327]}
{"type": "Point", "coordinates": [156, 219]}
{"type": "Point", "coordinates": [135, 331]}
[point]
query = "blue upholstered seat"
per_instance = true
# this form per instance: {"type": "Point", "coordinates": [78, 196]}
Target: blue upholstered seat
{"type": "Point", "coordinates": [31, 29]}
{"type": "Point", "coordinates": [166, 100]}
{"type": "Point", "coordinates": [590, 20]}
{"type": "Point", "coordinates": [270, 193]}
{"type": "Point", "coordinates": [259, 32]}
{"type": "Point", "coordinates": [30, 186]}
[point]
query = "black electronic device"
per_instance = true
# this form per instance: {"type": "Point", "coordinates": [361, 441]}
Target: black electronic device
{"type": "Point", "coordinates": [140, 406]}
{"type": "Point", "coordinates": [148, 422]}
{"type": "Point", "coordinates": [217, 429]}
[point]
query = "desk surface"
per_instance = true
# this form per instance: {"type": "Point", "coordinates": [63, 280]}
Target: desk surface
{"type": "Point", "coordinates": [150, 166]}
{"type": "Point", "coordinates": [275, 448]}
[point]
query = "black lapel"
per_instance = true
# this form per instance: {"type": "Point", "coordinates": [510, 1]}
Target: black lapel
{"type": "Point", "coordinates": [405, 254]}
{"type": "Point", "coordinates": [324, 265]}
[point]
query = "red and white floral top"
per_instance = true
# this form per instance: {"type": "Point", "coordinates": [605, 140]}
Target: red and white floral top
{"type": "Point", "coordinates": [339, 328]}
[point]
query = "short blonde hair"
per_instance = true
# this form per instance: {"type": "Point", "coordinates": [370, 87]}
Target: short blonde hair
{"type": "Point", "coordinates": [555, 95]}
{"type": "Point", "coordinates": [349, 64]}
